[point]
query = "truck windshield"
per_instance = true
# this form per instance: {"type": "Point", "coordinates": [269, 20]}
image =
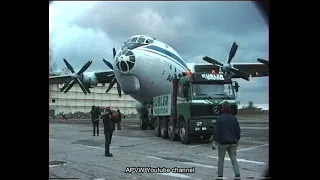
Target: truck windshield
{"type": "Point", "coordinates": [212, 91]}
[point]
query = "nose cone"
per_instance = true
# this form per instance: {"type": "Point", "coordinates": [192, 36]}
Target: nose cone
{"type": "Point", "coordinates": [125, 61]}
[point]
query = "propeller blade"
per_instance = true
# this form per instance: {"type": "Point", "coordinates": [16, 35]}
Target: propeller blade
{"type": "Point", "coordinates": [82, 86]}
{"type": "Point", "coordinates": [119, 89]}
{"type": "Point", "coordinates": [232, 52]}
{"type": "Point", "coordinates": [242, 74]}
{"type": "Point", "coordinates": [114, 80]}
{"type": "Point", "coordinates": [265, 62]}
{"type": "Point", "coordinates": [108, 64]}
{"type": "Point", "coordinates": [68, 65]}
{"type": "Point", "coordinates": [70, 86]}
{"type": "Point", "coordinates": [212, 61]}
{"type": "Point", "coordinates": [64, 86]}
{"type": "Point", "coordinates": [114, 52]}
{"type": "Point", "coordinates": [85, 67]}
{"type": "Point", "coordinates": [87, 89]}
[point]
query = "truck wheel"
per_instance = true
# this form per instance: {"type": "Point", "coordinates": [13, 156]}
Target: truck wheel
{"type": "Point", "coordinates": [143, 124]}
{"type": "Point", "coordinates": [164, 128]}
{"type": "Point", "coordinates": [157, 127]}
{"type": "Point", "coordinates": [171, 131]}
{"type": "Point", "coordinates": [184, 137]}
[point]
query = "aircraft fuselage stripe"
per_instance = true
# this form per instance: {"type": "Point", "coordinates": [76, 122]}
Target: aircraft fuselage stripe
{"type": "Point", "coordinates": [183, 65]}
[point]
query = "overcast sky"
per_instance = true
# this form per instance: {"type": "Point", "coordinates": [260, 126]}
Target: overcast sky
{"type": "Point", "coordinates": [84, 30]}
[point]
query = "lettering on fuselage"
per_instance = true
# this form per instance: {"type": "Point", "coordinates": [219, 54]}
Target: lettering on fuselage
{"type": "Point", "coordinates": [212, 76]}
{"type": "Point", "coordinates": [170, 77]}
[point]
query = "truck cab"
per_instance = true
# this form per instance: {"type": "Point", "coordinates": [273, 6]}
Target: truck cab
{"type": "Point", "coordinates": [192, 108]}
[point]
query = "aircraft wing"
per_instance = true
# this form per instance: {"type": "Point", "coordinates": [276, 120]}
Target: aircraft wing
{"type": "Point", "coordinates": [255, 69]}
{"type": "Point", "coordinates": [60, 79]}
{"type": "Point", "coordinates": [105, 76]}
{"type": "Point", "coordinates": [102, 77]}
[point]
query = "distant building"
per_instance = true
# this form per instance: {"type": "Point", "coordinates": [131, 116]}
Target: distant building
{"type": "Point", "coordinates": [75, 100]}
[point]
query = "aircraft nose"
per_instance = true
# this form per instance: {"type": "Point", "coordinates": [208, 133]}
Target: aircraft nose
{"type": "Point", "coordinates": [125, 61]}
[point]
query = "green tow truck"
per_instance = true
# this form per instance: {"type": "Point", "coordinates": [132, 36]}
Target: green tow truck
{"type": "Point", "coordinates": [191, 110]}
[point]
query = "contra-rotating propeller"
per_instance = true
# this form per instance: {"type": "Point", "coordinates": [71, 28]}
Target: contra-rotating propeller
{"type": "Point", "coordinates": [76, 78]}
{"type": "Point", "coordinates": [114, 80]}
{"type": "Point", "coordinates": [226, 67]}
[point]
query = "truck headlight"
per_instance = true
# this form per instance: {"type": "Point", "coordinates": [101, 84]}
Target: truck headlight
{"type": "Point", "coordinates": [197, 128]}
{"type": "Point", "coordinates": [198, 123]}
{"type": "Point", "coordinates": [204, 128]}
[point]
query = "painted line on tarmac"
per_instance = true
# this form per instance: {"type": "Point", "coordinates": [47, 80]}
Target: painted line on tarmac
{"type": "Point", "coordinates": [133, 125]}
{"type": "Point", "coordinates": [253, 142]}
{"type": "Point", "coordinates": [93, 147]}
{"type": "Point", "coordinates": [132, 139]}
{"type": "Point", "coordinates": [250, 148]}
{"type": "Point", "coordinates": [189, 163]}
{"type": "Point", "coordinates": [241, 160]}
{"type": "Point", "coordinates": [195, 146]}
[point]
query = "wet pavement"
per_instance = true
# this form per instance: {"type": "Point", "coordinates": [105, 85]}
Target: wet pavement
{"type": "Point", "coordinates": [75, 153]}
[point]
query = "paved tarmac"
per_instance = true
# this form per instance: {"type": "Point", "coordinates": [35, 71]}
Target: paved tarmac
{"type": "Point", "coordinates": [75, 153]}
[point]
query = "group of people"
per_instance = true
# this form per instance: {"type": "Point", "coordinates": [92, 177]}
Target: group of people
{"type": "Point", "coordinates": [226, 134]}
{"type": "Point", "coordinates": [109, 122]}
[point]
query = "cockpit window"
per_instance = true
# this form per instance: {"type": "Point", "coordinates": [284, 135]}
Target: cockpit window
{"type": "Point", "coordinates": [134, 39]}
{"type": "Point", "coordinates": [141, 40]}
{"type": "Point", "coordinates": [149, 41]}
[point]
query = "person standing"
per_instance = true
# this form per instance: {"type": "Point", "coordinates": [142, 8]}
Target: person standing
{"type": "Point", "coordinates": [95, 120]}
{"type": "Point", "coordinates": [119, 120]}
{"type": "Point", "coordinates": [109, 127]}
{"type": "Point", "coordinates": [227, 135]}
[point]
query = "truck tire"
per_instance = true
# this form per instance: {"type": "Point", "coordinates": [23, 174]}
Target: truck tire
{"type": "Point", "coordinates": [157, 127]}
{"type": "Point", "coordinates": [171, 130]}
{"type": "Point", "coordinates": [184, 137]}
{"type": "Point", "coordinates": [143, 124]}
{"type": "Point", "coordinates": [164, 128]}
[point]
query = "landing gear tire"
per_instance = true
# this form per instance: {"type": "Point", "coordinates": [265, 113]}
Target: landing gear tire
{"type": "Point", "coordinates": [171, 131]}
{"type": "Point", "coordinates": [164, 128]}
{"type": "Point", "coordinates": [143, 124]}
{"type": "Point", "coordinates": [184, 137]}
{"type": "Point", "coordinates": [152, 125]}
{"type": "Point", "coordinates": [157, 127]}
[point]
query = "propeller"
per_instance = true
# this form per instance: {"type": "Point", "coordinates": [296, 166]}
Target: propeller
{"type": "Point", "coordinates": [263, 61]}
{"type": "Point", "coordinates": [76, 78]}
{"type": "Point", "coordinates": [226, 67]}
{"type": "Point", "coordinates": [114, 80]}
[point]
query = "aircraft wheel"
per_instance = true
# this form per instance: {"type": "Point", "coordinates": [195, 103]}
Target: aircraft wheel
{"type": "Point", "coordinates": [151, 124]}
{"type": "Point", "coordinates": [164, 128]}
{"type": "Point", "coordinates": [143, 124]}
{"type": "Point", "coordinates": [157, 127]}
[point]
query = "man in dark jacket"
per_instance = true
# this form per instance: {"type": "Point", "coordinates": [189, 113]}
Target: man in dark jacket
{"type": "Point", "coordinates": [227, 134]}
{"type": "Point", "coordinates": [109, 127]}
{"type": "Point", "coordinates": [95, 120]}
{"type": "Point", "coordinates": [119, 120]}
